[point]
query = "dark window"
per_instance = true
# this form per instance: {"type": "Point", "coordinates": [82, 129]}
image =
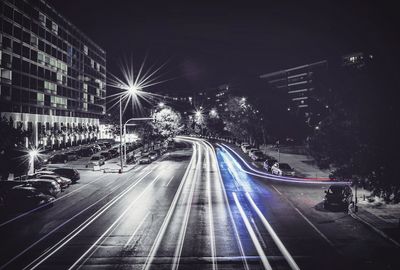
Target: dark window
{"type": "Point", "coordinates": [7, 28]}
{"type": "Point", "coordinates": [8, 12]}
{"type": "Point", "coordinates": [16, 64]}
{"type": "Point", "coordinates": [17, 47]}
{"type": "Point", "coordinates": [25, 81]}
{"type": "Point", "coordinates": [25, 66]}
{"type": "Point", "coordinates": [17, 32]}
{"type": "Point", "coordinates": [26, 22]}
{"type": "Point", "coordinates": [6, 42]}
{"type": "Point", "coordinates": [33, 55]}
{"type": "Point", "coordinates": [34, 28]}
{"type": "Point", "coordinates": [26, 37]}
{"type": "Point", "coordinates": [18, 17]}
{"type": "Point", "coordinates": [25, 52]}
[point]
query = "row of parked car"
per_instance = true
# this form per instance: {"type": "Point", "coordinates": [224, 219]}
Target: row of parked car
{"type": "Point", "coordinates": [148, 157]}
{"type": "Point", "coordinates": [269, 163]}
{"type": "Point", "coordinates": [36, 189]}
{"type": "Point", "coordinates": [85, 151]}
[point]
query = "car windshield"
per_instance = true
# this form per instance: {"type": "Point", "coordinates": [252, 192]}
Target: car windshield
{"type": "Point", "coordinates": [284, 166]}
{"type": "Point", "coordinates": [335, 190]}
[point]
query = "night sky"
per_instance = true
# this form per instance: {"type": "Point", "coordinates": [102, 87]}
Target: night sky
{"type": "Point", "coordinates": [210, 44]}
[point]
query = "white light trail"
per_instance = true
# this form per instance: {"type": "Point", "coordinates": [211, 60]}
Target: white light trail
{"type": "Point", "coordinates": [274, 236]}
{"type": "Point", "coordinates": [252, 234]}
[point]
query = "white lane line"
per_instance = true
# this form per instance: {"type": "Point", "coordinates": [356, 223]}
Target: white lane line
{"type": "Point", "coordinates": [51, 251]}
{"type": "Point", "coordinates": [278, 242]}
{"type": "Point", "coordinates": [47, 204]}
{"type": "Point", "coordinates": [227, 205]}
{"type": "Point", "coordinates": [182, 232]}
{"type": "Point", "coordinates": [114, 223]}
{"type": "Point", "coordinates": [57, 228]}
{"type": "Point", "coordinates": [167, 219]}
{"type": "Point", "coordinates": [306, 219]}
{"type": "Point", "coordinates": [169, 181]}
{"type": "Point", "coordinates": [252, 234]}
{"type": "Point", "coordinates": [210, 210]}
{"type": "Point", "coordinates": [136, 230]}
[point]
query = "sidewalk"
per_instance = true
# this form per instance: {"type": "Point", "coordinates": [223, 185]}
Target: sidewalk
{"type": "Point", "coordinates": [303, 165]}
{"type": "Point", "coordinates": [377, 215]}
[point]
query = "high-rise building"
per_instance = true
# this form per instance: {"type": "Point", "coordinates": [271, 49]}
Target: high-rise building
{"type": "Point", "coordinates": [52, 76]}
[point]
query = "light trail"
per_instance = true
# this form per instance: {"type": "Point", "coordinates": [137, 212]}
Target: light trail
{"type": "Point", "coordinates": [136, 230]}
{"type": "Point", "coordinates": [114, 223]}
{"type": "Point", "coordinates": [182, 232]}
{"type": "Point", "coordinates": [273, 234]}
{"type": "Point", "coordinates": [51, 251]}
{"type": "Point", "coordinates": [226, 201]}
{"type": "Point", "coordinates": [274, 177]}
{"type": "Point", "coordinates": [252, 234]}
{"type": "Point", "coordinates": [210, 210]}
{"type": "Point", "coordinates": [167, 219]}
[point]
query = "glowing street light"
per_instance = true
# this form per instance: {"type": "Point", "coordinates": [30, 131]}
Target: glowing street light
{"type": "Point", "coordinates": [161, 104]}
{"type": "Point", "coordinates": [213, 113]}
{"type": "Point", "coordinates": [33, 154]}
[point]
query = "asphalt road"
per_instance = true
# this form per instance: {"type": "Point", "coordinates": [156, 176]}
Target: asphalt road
{"type": "Point", "coordinates": [191, 209]}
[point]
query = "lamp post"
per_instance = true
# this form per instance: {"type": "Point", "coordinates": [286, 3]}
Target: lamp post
{"type": "Point", "coordinates": [120, 134]}
{"type": "Point", "coordinates": [32, 156]}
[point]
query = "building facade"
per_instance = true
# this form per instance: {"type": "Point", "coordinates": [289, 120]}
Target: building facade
{"type": "Point", "coordinates": [52, 76]}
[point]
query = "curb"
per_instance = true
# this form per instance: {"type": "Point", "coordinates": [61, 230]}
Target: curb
{"type": "Point", "coordinates": [373, 228]}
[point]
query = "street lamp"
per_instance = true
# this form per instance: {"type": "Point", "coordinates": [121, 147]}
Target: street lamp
{"type": "Point", "coordinates": [33, 153]}
{"type": "Point", "coordinates": [161, 104]}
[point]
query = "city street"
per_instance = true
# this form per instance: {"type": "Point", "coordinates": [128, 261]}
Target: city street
{"type": "Point", "coordinates": [179, 213]}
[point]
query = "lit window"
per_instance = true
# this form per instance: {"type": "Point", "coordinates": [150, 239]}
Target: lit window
{"type": "Point", "coordinates": [40, 97]}
{"type": "Point", "coordinates": [34, 40]}
{"type": "Point", "coordinates": [85, 49]}
{"type": "Point", "coordinates": [54, 28]}
{"type": "Point", "coordinates": [40, 57]}
{"type": "Point", "coordinates": [92, 63]}
{"type": "Point", "coordinates": [5, 74]}
{"type": "Point", "coordinates": [42, 19]}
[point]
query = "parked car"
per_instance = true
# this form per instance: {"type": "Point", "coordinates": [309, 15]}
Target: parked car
{"type": "Point", "coordinates": [338, 196]}
{"type": "Point", "coordinates": [58, 158]}
{"type": "Point", "coordinates": [22, 197]}
{"type": "Point", "coordinates": [71, 156]}
{"type": "Point", "coordinates": [153, 155]}
{"type": "Point", "coordinates": [106, 155]}
{"type": "Point", "coordinates": [145, 160]}
{"type": "Point", "coordinates": [252, 150]}
{"type": "Point", "coordinates": [243, 146]}
{"type": "Point", "coordinates": [282, 169]}
{"type": "Point", "coordinates": [6, 186]}
{"type": "Point", "coordinates": [113, 152]}
{"type": "Point", "coordinates": [70, 173]}
{"type": "Point", "coordinates": [85, 152]}
{"type": "Point", "coordinates": [46, 186]}
{"type": "Point", "coordinates": [268, 163]}
{"type": "Point", "coordinates": [247, 148]}
{"type": "Point", "coordinates": [257, 156]}
{"type": "Point", "coordinates": [96, 160]}
{"type": "Point", "coordinates": [62, 181]}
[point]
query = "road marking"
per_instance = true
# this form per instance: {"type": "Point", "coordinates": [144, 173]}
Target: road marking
{"type": "Point", "coordinates": [252, 234]}
{"type": "Point", "coordinates": [273, 234]}
{"type": "Point", "coordinates": [45, 255]}
{"type": "Point", "coordinates": [169, 181]}
{"type": "Point", "coordinates": [305, 218]}
{"type": "Point", "coordinates": [114, 223]}
{"type": "Point", "coordinates": [136, 230]}
{"type": "Point", "coordinates": [163, 228]}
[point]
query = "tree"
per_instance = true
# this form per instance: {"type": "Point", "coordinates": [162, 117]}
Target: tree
{"type": "Point", "coordinates": [167, 123]}
{"type": "Point", "coordinates": [11, 144]}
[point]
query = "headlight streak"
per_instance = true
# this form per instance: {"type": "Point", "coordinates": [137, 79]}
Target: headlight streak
{"type": "Point", "coordinates": [182, 233]}
{"type": "Point", "coordinates": [210, 210]}
{"type": "Point", "coordinates": [270, 176]}
{"type": "Point", "coordinates": [252, 234]}
{"type": "Point", "coordinates": [167, 219]}
{"type": "Point", "coordinates": [51, 251]}
{"type": "Point", "coordinates": [273, 234]}
{"type": "Point", "coordinates": [114, 224]}
{"type": "Point", "coordinates": [215, 163]}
